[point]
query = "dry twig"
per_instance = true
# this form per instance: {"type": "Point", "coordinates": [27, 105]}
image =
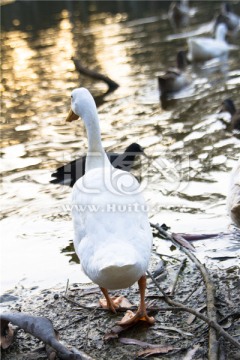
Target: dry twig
{"type": "Point", "coordinates": [211, 310]}
{"type": "Point", "coordinates": [182, 307]}
{"type": "Point", "coordinates": [177, 276]}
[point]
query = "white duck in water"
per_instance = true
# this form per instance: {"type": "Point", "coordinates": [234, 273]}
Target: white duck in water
{"type": "Point", "coordinates": [112, 235]}
{"type": "Point", "coordinates": [203, 48]}
{"type": "Point", "coordinates": [233, 198]}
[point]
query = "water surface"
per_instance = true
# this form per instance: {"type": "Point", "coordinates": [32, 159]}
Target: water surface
{"type": "Point", "coordinates": [192, 150]}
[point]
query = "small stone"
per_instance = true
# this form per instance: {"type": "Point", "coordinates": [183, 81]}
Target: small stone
{"type": "Point", "coordinates": [7, 297]}
{"type": "Point", "coordinates": [56, 296]}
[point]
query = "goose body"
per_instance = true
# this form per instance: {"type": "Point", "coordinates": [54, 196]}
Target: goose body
{"type": "Point", "coordinates": [68, 174]}
{"type": "Point", "coordinates": [233, 198]}
{"type": "Point", "coordinates": [114, 243]}
{"type": "Point", "coordinates": [112, 235]}
{"type": "Point", "coordinates": [203, 48]}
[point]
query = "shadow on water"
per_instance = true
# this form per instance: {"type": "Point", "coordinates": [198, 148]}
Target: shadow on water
{"type": "Point", "coordinates": [191, 148]}
{"type": "Point", "coordinates": [36, 15]}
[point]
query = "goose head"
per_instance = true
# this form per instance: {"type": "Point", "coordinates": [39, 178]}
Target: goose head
{"type": "Point", "coordinates": [135, 148]}
{"type": "Point", "coordinates": [82, 105]}
{"type": "Point", "coordinates": [226, 8]}
{"type": "Point", "coordinates": [228, 105]}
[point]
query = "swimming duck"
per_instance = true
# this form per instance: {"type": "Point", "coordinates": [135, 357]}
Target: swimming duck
{"type": "Point", "coordinates": [179, 13]}
{"type": "Point", "coordinates": [174, 79]}
{"type": "Point", "coordinates": [114, 241]}
{"type": "Point", "coordinates": [229, 17]}
{"type": "Point", "coordinates": [68, 174]}
{"type": "Point", "coordinates": [233, 198]}
{"type": "Point", "coordinates": [203, 48]}
{"type": "Point", "coordinates": [228, 106]}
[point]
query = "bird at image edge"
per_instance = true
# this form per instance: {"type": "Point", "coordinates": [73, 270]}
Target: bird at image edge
{"type": "Point", "coordinates": [233, 198]}
{"type": "Point", "coordinates": [229, 106]}
{"type": "Point", "coordinates": [114, 247]}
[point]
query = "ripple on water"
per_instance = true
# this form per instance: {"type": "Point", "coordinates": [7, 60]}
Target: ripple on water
{"type": "Point", "coordinates": [190, 148]}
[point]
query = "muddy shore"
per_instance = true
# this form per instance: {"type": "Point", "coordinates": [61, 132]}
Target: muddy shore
{"type": "Point", "coordinates": [82, 324]}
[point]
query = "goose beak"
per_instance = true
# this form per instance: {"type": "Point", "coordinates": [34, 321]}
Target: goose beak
{"type": "Point", "coordinates": [71, 116]}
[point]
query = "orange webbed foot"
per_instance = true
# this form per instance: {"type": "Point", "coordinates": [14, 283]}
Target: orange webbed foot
{"type": "Point", "coordinates": [130, 318]}
{"type": "Point", "coordinates": [114, 303]}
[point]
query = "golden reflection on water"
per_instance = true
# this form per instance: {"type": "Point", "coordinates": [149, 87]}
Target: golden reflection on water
{"type": "Point", "coordinates": [35, 72]}
{"type": "Point", "coordinates": [20, 54]}
{"type": "Point", "coordinates": [112, 50]}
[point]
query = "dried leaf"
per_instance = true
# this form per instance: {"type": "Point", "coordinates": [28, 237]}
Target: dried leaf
{"type": "Point", "coordinates": [121, 301]}
{"type": "Point", "coordinates": [154, 351]}
{"type": "Point", "coordinates": [178, 238]}
{"type": "Point", "coordinates": [223, 258]}
{"type": "Point", "coordinates": [171, 328]}
{"type": "Point", "coordinates": [194, 237]}
{"type": "Point", "coordinates": [128, 341]}
{"type": "Point", "coordinates": [125, 303]}
{"type": "Point", "coordinates": [115, 331]}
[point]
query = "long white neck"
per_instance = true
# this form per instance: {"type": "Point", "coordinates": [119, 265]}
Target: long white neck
{"type": "Point", "coordinates": [221, 32]}
{"type": "Point", "coordinates": [96, 156]}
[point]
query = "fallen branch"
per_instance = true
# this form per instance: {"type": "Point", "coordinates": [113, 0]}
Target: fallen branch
{"type": "Point", "coordinates": [182, 307]}
{"type": "Point", "coordinates": [211, 310]}
{"type": "Point", "coordinates": [193, 291]}
{"type": "Point", "coordinates": [41, 328]}
{"type": "Point", "coordinates": [76, 303]}
{"type": "Point", "coordinates": [177, 276]}
{"type": "Point", "coordinates": [112, 85]}
{"type": "Point", "coordinates": [81, 318]}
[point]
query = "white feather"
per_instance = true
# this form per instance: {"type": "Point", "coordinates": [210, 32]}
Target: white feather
{"type": "Point", "coordinates": [233, 198]}
{"type": "Point", "coordinates": [112, 235]}
{"type": "Point", "coordinates": [203, 48]}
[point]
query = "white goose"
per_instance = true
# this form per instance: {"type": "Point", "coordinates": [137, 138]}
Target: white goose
{"type": "Point", "coordinates": [203, 48]}
{"type": "Point", "coordinates": [233, 198]}
{"type": "Point", "coordinates": [112, 235]}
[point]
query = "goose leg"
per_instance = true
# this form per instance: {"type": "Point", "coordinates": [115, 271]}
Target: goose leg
{"type": "Point", "coordinates": [110, 303]}
{"type": "Point", "coordinates": [141, 314]}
